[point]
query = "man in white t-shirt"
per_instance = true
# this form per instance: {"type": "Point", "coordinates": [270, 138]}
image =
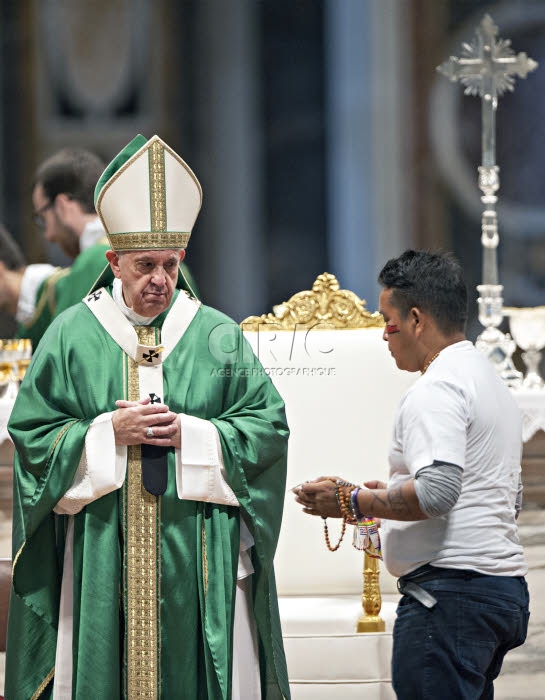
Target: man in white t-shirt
{"type": "Point", "coordinates": [450, 506]}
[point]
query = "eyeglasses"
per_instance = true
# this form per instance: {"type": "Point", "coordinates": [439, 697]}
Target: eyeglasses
{"type": "Point", "coordinates": [38, 215]}
{"type": "Point", "coordinates": [391, 328]}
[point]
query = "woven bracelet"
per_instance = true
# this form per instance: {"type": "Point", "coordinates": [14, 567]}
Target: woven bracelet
{"type": "Point", "coordinates": [354, 501]}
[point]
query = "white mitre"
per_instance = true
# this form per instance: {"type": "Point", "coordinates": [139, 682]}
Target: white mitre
{"type": "Point", "coordinates": [148, 197]}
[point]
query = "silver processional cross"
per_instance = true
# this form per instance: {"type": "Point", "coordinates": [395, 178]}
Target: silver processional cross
{"type": "Point", "coordinates": [487, 68]}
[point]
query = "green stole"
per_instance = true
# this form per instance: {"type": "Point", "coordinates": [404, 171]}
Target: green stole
{"type": "Point", "coordinates": [141, 510]}
{"type": "Point", "coordinates": [141, 565]}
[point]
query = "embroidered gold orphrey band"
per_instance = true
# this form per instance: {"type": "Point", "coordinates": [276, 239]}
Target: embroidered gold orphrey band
{"type": "Point", "coordinates": [142, 564]}
{"type": "Point", "coordinates": [157, 187]}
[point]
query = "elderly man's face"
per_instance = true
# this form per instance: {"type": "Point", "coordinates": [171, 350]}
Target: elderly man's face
{"type": "Point", "coordinates": [148, 278]}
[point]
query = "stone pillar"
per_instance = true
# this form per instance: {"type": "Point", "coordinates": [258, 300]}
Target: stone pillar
{"type": "Point", "coordinates": [368, 135]}
{"type": "Point", "coordinates": [229, 161]}
{"type": "Point", "coordinates": [12, 92]}
{"type": "Point", "coordinates": [2, 101]}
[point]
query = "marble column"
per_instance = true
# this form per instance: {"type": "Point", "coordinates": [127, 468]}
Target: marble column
{"type": "Point", "coordinates": [229, 160]}
{"type": "Point", "coordinates": [2, 125]}
{"type": "Point", "coordinates": [368, 137]}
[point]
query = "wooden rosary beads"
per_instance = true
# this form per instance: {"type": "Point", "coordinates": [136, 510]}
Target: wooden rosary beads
{"type": "Point", "coordinates": [344, 506]}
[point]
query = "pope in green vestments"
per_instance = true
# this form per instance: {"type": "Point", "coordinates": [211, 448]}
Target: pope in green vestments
{"type": "Point", "coordinates": [120, 590]}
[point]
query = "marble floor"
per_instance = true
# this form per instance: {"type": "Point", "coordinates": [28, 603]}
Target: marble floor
{"type": "Point", "coordinates": [523, 673]}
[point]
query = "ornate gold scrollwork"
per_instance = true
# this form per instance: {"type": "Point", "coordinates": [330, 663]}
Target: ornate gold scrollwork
{"type": "Point", "coordinates": [326, 306]}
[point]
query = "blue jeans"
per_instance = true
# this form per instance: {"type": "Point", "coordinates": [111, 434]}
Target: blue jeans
{"type": "Point", "coordinates": [454, 650]}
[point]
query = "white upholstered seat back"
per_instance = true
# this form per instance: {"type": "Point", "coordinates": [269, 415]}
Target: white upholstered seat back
{"type": "Point", "coordinates": [341, 389]}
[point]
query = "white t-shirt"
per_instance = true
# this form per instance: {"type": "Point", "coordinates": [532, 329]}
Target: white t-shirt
{"type": "Point", "coordinates": [459, 412]}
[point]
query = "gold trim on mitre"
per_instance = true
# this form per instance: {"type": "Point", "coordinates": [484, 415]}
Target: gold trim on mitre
{"type": "Point", "coordinates": [151, 202]}
{"type": "Point", "coordinates": [326, 306]}
{"type": "Point", "coordinates": [149, 240]}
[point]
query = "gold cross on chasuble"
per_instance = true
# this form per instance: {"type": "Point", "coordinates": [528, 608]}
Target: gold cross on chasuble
{"type": "Point", "coordinates": [148, 355]}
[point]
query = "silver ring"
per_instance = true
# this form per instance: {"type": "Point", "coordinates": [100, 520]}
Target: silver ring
{"type": "Point", "coordinates": [150, 432]}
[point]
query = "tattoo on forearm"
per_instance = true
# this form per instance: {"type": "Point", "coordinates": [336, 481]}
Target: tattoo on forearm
{"type": "Point", "coordinates": [391, 503]}
{"type": "Point", "coordinates": [378, 499]}
{"type": "Point", "coordinates": [397, 501]}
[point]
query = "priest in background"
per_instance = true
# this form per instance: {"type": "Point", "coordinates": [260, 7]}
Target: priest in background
{"type": "Point", "coordinates": [63, 210]}
{"type": "Point", "coordinates": [149, 477]}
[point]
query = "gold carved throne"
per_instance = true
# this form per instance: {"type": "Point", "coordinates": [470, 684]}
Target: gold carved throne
{"type": "Point", "coordinates": [324, 352]}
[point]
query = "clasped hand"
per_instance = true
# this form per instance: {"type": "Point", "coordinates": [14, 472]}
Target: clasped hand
{"type": "Point", "coordinates": [318, 497]}
{"type": "Point", "coordinates": [133, 419]}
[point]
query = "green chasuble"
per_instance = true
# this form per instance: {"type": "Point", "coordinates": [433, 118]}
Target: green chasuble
{"type": "Point", "coordinates": [186, 570]}
{"type": "Point", "coordinates": [67, 286]}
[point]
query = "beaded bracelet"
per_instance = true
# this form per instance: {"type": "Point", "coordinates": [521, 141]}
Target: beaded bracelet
{"type": "Point", "coordinates": [366, 535]}
{"type": "Point", "coordinates": [354, 501]}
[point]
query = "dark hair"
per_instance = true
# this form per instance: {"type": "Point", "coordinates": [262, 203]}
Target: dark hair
{"type": "Point", "coordinates": [72, 171]}
{"type": "Point", "coordinates": [432, 282]}
{"type": "Point", "coordinates": [10, 253]}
